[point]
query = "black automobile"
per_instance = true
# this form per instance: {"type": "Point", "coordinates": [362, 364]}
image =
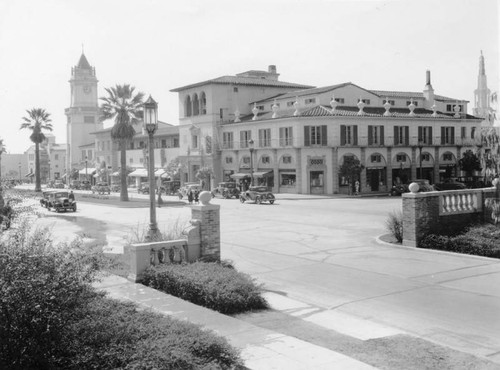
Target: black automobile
{"type": "Point", "coordinates": [450, 184]}
{"type": "Point", "coordinates": [58, 200]}
{"type": "Point", "coordinates": [399, 189]}
{"type": "Point", "coordinates": [227, 190]}
{"type": "Point", "coordinates": [258, 194]}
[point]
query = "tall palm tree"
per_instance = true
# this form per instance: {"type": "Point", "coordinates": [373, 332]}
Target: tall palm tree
{"type": "Point", "coordinates": [38, 119]}
{"type": "Point", "coordinates": [125, 106]}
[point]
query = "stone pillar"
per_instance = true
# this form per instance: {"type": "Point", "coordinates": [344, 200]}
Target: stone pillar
{"type": "Point", "coordinates": [299, 173]}
{"type": "Point", "coordinates": [363, 181]}
{"type": "Point", "coordinates": [335, 169]}
{"type": "Point", "coordinates": [276, 171]}
{"type": "Point", "coordinates": [208, 216]}
{"type": "Point", "coordinates": [420, 215]}
{"type": "Point", "coordinates": [436, 165]}
{"type": "Point", "coordinates": [413, 169]}
{"type": "Point", "coordinates": [389, 168]}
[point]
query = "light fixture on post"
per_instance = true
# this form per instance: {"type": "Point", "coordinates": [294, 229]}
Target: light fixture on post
{"type": "Point", "coordinates": [420, 147]}
{"type": "Point", "coordinates": [150, 126]}
{"type": "Point", "coordinates": [250, 145]}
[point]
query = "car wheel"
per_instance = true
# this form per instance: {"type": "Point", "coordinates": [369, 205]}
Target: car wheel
{"type": "Point", "coordinates": [56, 209]}
{"type": "Point", "coordinates": [258, 200]}
{"type": "Point", "coordinates": [74, 208]}
{"type": "Point", "coordinates": [242, 200]}
{"type": "Point", "coordinates": [271, 201]}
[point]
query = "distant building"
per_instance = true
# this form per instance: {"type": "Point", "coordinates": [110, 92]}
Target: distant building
{"type": "Point", "coordinates": [483, 97]}
{"type": "Point", "coordinates": [14, 166]}
{"type": "Point", "coordinates": [52, 159]}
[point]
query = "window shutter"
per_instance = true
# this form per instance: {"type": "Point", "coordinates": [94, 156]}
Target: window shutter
{"type": "Point", "coordinates": [420, 138]}
{"type": "Point", "coordinates": [452, 141]}
{"type": "Point", "coordinates": [462, 133]}
{"type": "Point", "coordinates": [342, 134]}
{"type": "Point", "coordinates": [381, 135]}
{"type": "Point", "coordinates": [407, 135]}
{"type": "Point", "coordinates": [307, 137]}
{"type": "Point", "coordinates": [324, 137]}
{"type": "Point", "coordinates": [430, 136]}
{"type": "Point", "coordinates": [370, 135]}
{"type": "Point", "coordinates": [396, 139]}
{"type": "Point", "coordinates": [355, 134]}
{"type": "Point", "coordinates": [282, 138]}
{"type": "Point", "coordinates": [442, 135]}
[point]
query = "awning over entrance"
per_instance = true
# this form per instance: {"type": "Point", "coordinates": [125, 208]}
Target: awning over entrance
{"type": "Point", "coordinates": [239, 175]}
{"type": "Point", "coordinates": [140, 172]}
{"type": "Point", "coordinates": [88, 171]}
{"type": "Point", "coordinates": [262, 173]}
{"type": "Point", "coordinates": [161, 173]}
{"type": "Point", "coordinates": [31, 174]}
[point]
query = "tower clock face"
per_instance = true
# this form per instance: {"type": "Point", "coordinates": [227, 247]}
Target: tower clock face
{"type": "Point", "coordinates": [87, 89]}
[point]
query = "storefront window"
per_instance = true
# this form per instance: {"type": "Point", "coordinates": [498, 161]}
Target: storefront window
{"type": "Point", "coordinates": [288, 179]}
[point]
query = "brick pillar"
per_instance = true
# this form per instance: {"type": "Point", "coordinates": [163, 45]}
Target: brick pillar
{"type": "Point", "coordinates": [209, 217]}
{"type": "Point", "coordinates": [420, 216]}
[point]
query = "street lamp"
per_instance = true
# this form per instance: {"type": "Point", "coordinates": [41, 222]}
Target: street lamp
{"type": "Point", "coordinates": [49, 168]}
{"type": "Point", "coordinates": [420, 147]}
{"type": "Point", "coordinates": [250, 144]}
{"type": "Point", "coordinates": [151, 125]}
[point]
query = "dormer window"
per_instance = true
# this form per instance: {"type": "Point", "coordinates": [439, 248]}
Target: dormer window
{"type": "Point", "coordinates": [391, 102]}
{"type": "Point", "coordinates": [415, 103]}
{"type": "Point", "coordinates": [310, 101]}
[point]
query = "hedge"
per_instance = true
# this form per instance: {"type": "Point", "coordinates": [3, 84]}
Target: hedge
{"type": "Point", "coordinates": [208, 284]}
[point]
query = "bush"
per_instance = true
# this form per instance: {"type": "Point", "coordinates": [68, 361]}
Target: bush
{"type": "Point", "coordinates": [394, 225]}
{"type": "Point", "coordinates": [51, 317]}
{"type": "Point", "coordinates": [211, 285]}
{"type": "Point", "coordinates": [482, 240]}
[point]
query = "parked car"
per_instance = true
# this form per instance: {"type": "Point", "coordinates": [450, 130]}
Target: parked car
{"type": "Point", "coordinates": [399, 189]}
{"type": "Point", "coordinates": [227, 190]}
{"type": "Point", "coordinates": [258, 194]}
{"type": "Point", "coordinates": [170, 187]}
{"type": "Point", "coordinates": [188, 186]}
{"type": "Point", "coordinates": [450, 184]}
{"type": "Point", "coordinates": [58, 184]}
{"type": "Point", "coordinates": [101, 188]}
{"type": "Point", "coordinates": [85, 185]}
{"type": "Point", "coordinates": [424, 185]}
{"type": "Point", "coordinates": [59, 200]}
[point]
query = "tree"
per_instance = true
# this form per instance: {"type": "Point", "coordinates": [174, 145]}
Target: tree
{"type": "Point", "coordinates": [175, 168]}
{"type": "Point", "coordinates": [469, 163]}
{"type": "Point", "coordinates": [125, 106]}
{"type": "Point", "coordinates": [489, 152]}
{"type": "Point", "coordinates": [351, 169]}
{"type": "Point", "coordinates": [38, 120]}
{"type": "Point", "coordinates": [204, 174]}
{"type": "Point", "coordinates": [3, 150]}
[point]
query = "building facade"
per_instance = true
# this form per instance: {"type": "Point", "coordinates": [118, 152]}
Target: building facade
{"type": "Point", "coordinates": [296, 139]}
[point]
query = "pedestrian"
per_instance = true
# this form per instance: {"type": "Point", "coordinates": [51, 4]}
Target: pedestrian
{"type": "Point", "coordinates": [196, 196]}
{"type": "Point", "coordinates": [356, 187]}
{"type": "Point", "coordinates": [190, 197]}
{"type": "Point", "coordinates": [71, 195]}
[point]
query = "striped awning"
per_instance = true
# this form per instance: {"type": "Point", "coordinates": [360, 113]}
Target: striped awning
{"type": "Point", "coordinates": [88, 171]}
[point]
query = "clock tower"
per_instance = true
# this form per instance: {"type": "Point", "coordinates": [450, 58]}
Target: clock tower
{"type": "Point", "coordinates": [83, 113]}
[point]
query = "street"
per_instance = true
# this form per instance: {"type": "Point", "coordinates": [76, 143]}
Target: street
{"type": "Point", "coordinates": [323, 252]}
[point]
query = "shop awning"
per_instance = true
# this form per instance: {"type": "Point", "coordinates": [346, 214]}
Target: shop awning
{"type": "Point", "coordinates": [117, 173]}
{"type": "Point", "coordinates": [238, 176]}
{"type": "Point", "coordinates": [88, 171]}
{"type": "Point", "coordinates": [140, 172]}
{"type": "Point", "coordinates": [31, 174]}
{"type": "Point", "coordinates": [262, 173]}
{"type": "Point", "coordinates": [161, 173]}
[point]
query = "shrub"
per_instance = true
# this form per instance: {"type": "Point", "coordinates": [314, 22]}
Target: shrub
{"type": "Point", "coordinates": [482, 240]}
{"type": "Point", "coordinates": [211, 285]}
{"type": "Point", "coordinates": [394, 225]}
{"type": "Point", "coordinates": [51, 317]}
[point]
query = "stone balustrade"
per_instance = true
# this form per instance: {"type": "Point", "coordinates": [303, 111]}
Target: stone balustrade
{"type": "Point", "coordinates": [202, 241]}
{"type": "Point", "coordinates": [443, 212]}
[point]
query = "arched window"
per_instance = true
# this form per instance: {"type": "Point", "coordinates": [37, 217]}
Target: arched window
{"type": "Point", "coordinates": [203, 103]}
{"type": "Point", "coordinates": [196, 105]}
{"type": "Point", "coordinates": [187, 107]}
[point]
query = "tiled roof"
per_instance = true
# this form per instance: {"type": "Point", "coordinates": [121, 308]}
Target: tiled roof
{"type": "Point", "coordinates": [83, 63]}
{"type": "Point", "coordinates": [162, 127]}
{"type": "Point", "coordinates": [346, 111]}
{"type": "Point", "coordinates": [236, 80]}
{"type": "Point", "coordinates": [311, 91]}
{"type": "Point", "coordinates": [411, 95]}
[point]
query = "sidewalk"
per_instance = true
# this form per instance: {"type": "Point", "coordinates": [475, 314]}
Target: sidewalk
{"type": "Point", "coordinates": [260, 348]}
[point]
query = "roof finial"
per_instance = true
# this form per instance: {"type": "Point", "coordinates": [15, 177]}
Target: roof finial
{"type": "Point", "coordinates": [82, 49]}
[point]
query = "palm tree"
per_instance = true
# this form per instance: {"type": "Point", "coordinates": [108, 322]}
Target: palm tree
{"type": "Point", "coordinates": [126, 108]}
{"type": "Point", "coordinates": [37, 121]}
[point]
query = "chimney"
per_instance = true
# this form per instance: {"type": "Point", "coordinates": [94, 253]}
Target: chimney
{"type": "Point", "coordinates": [273, 75]}
{"type": "Point", "coordinates": [272, 69]}
{"type": "Point", "coordinates": [428, 91]}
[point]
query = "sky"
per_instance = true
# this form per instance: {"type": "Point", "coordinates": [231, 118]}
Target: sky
{"type": "Point", "coordinates": [158, 45]}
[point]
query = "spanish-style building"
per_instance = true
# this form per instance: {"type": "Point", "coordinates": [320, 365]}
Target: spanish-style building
{"type": "Point", "coordinates": [300, 136]}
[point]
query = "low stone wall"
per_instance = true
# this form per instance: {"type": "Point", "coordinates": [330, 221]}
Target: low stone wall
{"type": "Point", "coordinates": [202, 241]}
{"type": "Point", "coordinates": [443, 212]}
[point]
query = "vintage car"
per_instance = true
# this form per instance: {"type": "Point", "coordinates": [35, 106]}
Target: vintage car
{"type": "Point", "coordinates": [58, 184]}
{"type": "Point", "coordinates": [85, 185]}
{"type": "Point", "coordinates": [399, 189]}
{"type": "Point", "coordinates": [188, 186]}
{"type": "Point", "coordinates": [101, 188]}
{"type": "Point", "coordinates": [144, 188]}
{"type": "Point", "coordinates": [227, 190]}
{"type": "Point", "coordinates": [115, 187]}
{"type": "Point", "coordinates": [450, 184]}
{"type": "Point", "coordinates": [258, 194]}
{"type": "Point", "coordinates": [170, 187]}
{"type": "Point", "coordinates": [59, 200]}
{"type": "Point", "coordinates": [75, 184]}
